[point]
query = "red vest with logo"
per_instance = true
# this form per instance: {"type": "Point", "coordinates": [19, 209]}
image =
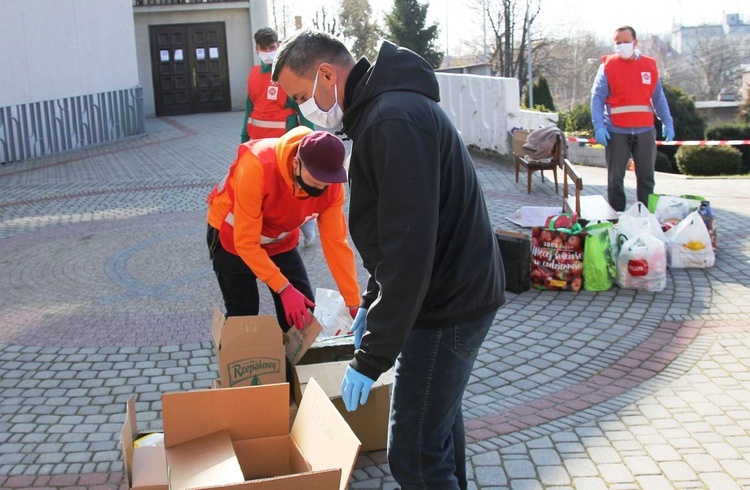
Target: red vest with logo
{"type": "Point", "coordinates": [283, 213]}
{"type": "Point", "coordinates": [631, 84]}
{"type": "Point", "coordinates": [269, 114]}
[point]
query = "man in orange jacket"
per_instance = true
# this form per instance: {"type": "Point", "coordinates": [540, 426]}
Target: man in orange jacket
{"type": "Point", "coordinates": [274, 186]}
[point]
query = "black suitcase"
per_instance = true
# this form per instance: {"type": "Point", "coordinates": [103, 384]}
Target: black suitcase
{"type": "Point", "coordinates": [515, 249]}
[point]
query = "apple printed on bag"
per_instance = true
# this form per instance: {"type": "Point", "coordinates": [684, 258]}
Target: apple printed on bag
{"type": "Point", "coordinates": [637, 267]}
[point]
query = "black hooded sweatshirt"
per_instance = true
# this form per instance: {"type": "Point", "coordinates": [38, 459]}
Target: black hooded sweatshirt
{"type": "Point", "coordinates": [417, 214]}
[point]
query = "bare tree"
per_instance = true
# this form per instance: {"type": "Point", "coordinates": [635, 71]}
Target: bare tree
{"type": "Point", "coordinates": [326, 21]}
{"type": "Point", "coordinates": [357, 29]}
{"type": "Point", "coordinates": [510, 23]}
{"type": "Point", "coordinates": [570, 65]}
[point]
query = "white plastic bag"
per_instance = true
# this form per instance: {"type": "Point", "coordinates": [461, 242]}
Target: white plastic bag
{"type": "Point", "coordinates": [635, 221]}
{"type": "Point", "coordinates": [672, 209]}
{"type": "Point", "coordinates": [689, 244]}
{"type": "Point", "coordinates": [642, 264]}
{"type": "Point", "coordinates": [332, 313]}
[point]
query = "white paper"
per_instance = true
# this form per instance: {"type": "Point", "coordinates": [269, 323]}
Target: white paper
{"type": "Point", "coordinates": [178, 55]}
{"type": "Point", "coordinates": [528, 216]}
{"type": "Point", "coordinates": [164, 55]}
{"type": "Point", "coordinates": [213, 53]}
{"type": "Point", "coordinates": [200, 53]}
{"type": "Point", "coordinates": [332, 313]}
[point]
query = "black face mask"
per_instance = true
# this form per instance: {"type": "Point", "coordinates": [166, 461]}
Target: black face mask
{"type": "Point", "coordinates": [311, 191]}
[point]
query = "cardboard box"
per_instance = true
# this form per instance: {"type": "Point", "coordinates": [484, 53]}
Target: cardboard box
{"type": "Point", "coordinates": [250, 425]}
{"type": "Point", "coordinates": [519, 139]}
{"type": "Point", "coordinates": [216, 385]}
{"type": "Point", "coordinates": [251, 350]}
{"type": "Point", "coordinates": [145, 468]}
{"type": "Point", "coordinates": [370, 421]}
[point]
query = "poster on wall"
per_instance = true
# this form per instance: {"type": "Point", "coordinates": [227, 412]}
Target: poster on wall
{"type": "Point", "coordinates": [200, 53]}
{"type": "Point", "coordinates": [213, 53]}
{"type": "Point", "coordinates": [178, 55]}
{"type": "Point", "coordinates": [164, 55]}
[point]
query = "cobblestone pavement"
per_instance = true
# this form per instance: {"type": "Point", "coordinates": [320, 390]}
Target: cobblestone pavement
{"type": "Point", "coordinates": [107, 292]}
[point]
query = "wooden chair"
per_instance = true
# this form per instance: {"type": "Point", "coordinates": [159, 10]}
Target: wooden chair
{"type": "Point", "coordinates": [523, 160]}
{"type": "Point", "coordinates": [588, 208]}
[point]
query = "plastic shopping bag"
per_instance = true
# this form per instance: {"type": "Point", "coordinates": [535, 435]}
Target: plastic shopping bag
{"type": "Point", "coordinates": [599, 257]}
{"type": "Point", "coordinates": [689, 244]}
{"type": "Point", "coordinates": [557, 257]}
{"type": "Point", "coordinates": [637, 220]}
{"type": "Point", "coordinates": [670, 210]}
{"type": "Point", "coordinates": [332, 313]}
{"type": "Point", "coordinates": [642, 264]}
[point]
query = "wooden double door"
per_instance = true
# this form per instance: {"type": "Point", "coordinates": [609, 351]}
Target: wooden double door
{"type": "Point", "coordinates": [190, 68]}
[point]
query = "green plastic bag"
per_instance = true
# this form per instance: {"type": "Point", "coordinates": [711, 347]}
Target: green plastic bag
{"type": "Point", "coordinates": [653, 199]}
{"type": "Point", "coordinates": [599, 265]}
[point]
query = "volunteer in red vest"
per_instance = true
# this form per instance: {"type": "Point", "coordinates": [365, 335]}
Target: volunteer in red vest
{"type": "Point", "coordinates": [254, 217]}
{"type": "Point", "coordinates": [625, 96]}
{"type": "Point", "coordinates": [269, 112]}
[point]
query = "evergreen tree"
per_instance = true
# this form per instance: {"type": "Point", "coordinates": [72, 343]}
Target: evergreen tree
{"type": "Point", "coordinates": [542, 96]}
{"type": "Point", "coordinates": [405, 26]}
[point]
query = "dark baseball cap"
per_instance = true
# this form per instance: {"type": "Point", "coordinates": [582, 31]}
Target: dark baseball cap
{"type": "Point", "coordinates": [322, 154]}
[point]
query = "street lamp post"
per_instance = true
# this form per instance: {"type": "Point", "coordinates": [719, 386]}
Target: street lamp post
{"type": "Point", "coordinates": [531, 78]}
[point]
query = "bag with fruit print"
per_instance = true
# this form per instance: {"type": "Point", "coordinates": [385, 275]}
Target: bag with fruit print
{"type": "Point", "coordinates": [599, 256]}
{"type": "Point", "coordinates": [689, 244]}
{"type": "Point", "coordinates": [557, 255]}
{"type": "Point", "coordinates": [642, 264]}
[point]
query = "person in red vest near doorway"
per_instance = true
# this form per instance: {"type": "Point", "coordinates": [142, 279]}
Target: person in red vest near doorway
{"type": "Point", "coordinates": [254, 217]}
{"type": "Point", "coordinates": [269, 112]}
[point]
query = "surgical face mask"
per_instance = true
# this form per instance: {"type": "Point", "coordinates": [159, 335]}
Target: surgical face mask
{"type": "Point", "coordinates": [624, 50]}
{"type": "Point", "coordinates": [267, 56]}
{"type": "Point", "coordinates": [325, 119]}
{"type": "Point", "coordinates": [311, 191]}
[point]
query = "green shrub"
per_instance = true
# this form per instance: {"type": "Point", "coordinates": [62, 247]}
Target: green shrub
{"type": "Point", "coordinates": [663, 163]}
{"type": "Point", "coordinates": [733, 131]}
{"type": "Point", "coordinates": [688, 124]}
{"type": "Point", "coordinates": [577, 120]}
{"type": "Point", "coordinates": [709, 160]}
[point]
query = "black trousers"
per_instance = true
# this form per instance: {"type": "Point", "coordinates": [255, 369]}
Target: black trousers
{"type": "Point", "coordinates": [642, 148]}
{"type": "Point", "coordinates": [239, 285]}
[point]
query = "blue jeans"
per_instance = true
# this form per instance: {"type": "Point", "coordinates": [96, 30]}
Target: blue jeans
{"type": "Point", "coordinates": [426, 439]}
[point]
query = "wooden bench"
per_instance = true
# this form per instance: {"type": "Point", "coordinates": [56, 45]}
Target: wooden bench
{"type": "Point", "coordinates": [588, 208]}
{"type": "Point", "coordinates": [523, 160]}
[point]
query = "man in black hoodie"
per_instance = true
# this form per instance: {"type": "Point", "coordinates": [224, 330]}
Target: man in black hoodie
{"type": "Point", "coordinates": [418, 218]}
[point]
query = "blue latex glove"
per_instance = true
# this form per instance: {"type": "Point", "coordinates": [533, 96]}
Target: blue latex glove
{"type": "Point", "coordinates": [355, 388]}
{"type": "Point", "coordinates": [602, 136]}
{"type": "Point", "coordinates": [668, 134]}
{"type": "Point", "coordinates": [359, 326]}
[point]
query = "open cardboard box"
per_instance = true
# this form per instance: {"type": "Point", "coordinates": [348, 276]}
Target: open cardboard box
{"type": "Point", "coordinates": [239, 438]}
{"type": "Point", "coordinates": [370, 421]}
{"type": "Point", "coordinates": [145, 467]}
{"type": "Point", "coordinates": [251, 350]}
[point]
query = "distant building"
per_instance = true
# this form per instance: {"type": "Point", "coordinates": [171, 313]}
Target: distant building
{"type": "Point", "coordinates": [685, 39]}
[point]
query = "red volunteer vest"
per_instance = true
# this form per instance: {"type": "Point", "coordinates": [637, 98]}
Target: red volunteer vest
{"type": "Point", "coordinates": [631, 84]}
{"type": "Point", "coordinates": [283, 213]}
{"type": "Point", "coordinates": [269, 114]}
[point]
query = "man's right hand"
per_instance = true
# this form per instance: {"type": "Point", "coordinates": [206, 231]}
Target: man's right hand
{"type": "Point", "coordinates": [296, 307]}
{"type": "Point", "coordinates": [602, 136]}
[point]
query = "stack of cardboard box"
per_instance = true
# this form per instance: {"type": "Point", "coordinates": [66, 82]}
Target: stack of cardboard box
{"type": "Point", "coordinates": [243, 436]}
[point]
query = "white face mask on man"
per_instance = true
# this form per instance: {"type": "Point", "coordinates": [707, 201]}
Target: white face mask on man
{"type": "Point", "coordinates": [325, 119]}
{"type": "Point", "coordinates": [625, 50]}
{"type": "Point", "coordinates": [267, 56]}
